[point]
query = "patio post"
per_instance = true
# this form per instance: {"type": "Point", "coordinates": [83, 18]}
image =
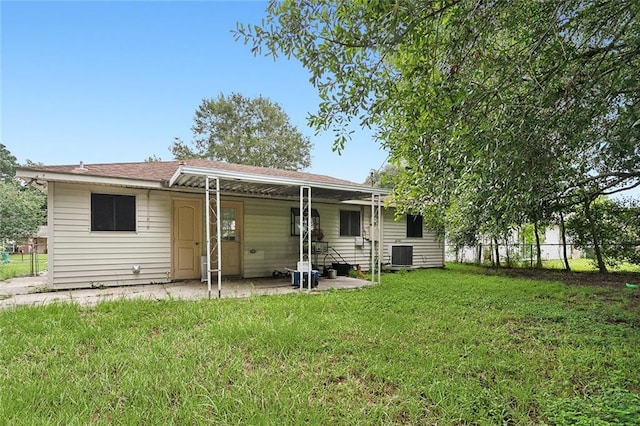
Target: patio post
{"type": "Point", "coordinates": [376, 226]}
{"type": "Point", "coordinates": [218, 238]}
{"type": "Point", "coordinates": [208, 235]}
{"type": "Point", "coordinates": [208, 232]}
{"type": "Point", "coordinates": [305, 231]}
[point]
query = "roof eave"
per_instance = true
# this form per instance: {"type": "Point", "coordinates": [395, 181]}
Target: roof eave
{"type": "Point", "coordinates": [49, 176]}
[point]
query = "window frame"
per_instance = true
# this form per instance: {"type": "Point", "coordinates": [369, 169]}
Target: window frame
{"type": "Point", "coordinates": [413, 231]}
{"type": "Point", "coordinates": [348, 231]}
{"type": "Point", "coordinates": [295, 223]}
{"type": "Point", "coordinates": [123, 216]}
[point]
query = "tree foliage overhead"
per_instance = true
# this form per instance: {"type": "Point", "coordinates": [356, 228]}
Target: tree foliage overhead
{"type": "Point", "coordinates": [241, 130]}
{"type": "Point", "coordinates": [504, 112]}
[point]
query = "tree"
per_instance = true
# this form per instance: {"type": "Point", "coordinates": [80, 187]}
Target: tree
{"type": "Point", "coordinates": [8, 164]}
{"type": "Point", "coordinates": [240, 130]}
{"type": "Point", "coordinates": [22, 211]}
{"type": "Point", "coordinates": [523, 109]}
{"type": "Point", "coordinates": [610, 228]}
{"type": "Point", "coordinates": [384, 178]}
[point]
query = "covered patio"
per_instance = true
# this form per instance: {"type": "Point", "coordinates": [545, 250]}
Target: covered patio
{"type": "Point", "coordinates": [213, 182]}
{"type": "Point", "coordinates": [33, 291]}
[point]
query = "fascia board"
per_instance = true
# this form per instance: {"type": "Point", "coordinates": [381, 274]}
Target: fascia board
{"type": "Point", "coordinates": [86, 179]}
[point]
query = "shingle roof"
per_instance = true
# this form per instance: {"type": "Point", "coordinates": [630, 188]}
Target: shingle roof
{"type": "Point", "coordinates": [164, 170]}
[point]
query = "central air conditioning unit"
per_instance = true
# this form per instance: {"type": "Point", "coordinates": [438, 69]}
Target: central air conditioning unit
{"type": "Point", "coordinates": [401, 255]}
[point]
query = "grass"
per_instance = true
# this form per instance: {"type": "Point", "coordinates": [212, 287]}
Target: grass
{"type": "Point", "coordinates": [20, 266]}
{"type": "Point", "coordinates": [586, 265]}
{"type": "Point", "coordinates": [450, 346]}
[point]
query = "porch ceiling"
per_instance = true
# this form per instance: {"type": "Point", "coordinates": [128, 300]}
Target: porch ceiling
{"type": "Point", "coordinates": [270, 186]}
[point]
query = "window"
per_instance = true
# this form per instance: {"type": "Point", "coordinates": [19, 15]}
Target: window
{"type": "Point", "coordinates": [349, 223]}
{"type": "Point", "coordinates": [295, 220]}
{"type": "Point", "coordinates": [113, 212]}
{"type": "Point", "coordinates": [414, 226]}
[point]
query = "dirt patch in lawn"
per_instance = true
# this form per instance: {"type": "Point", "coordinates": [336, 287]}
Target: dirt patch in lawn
{"type": "Point", "coordinates": [614, 282]}
{"type": "Point", "coordinates": [611, 279]}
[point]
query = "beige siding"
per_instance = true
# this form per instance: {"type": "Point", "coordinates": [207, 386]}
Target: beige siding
{"type": "Point", "coordinates": [82, 258]}
{"type": "Point", "coordinates": [268, 244]}
{"type": "Point", "coordinates": [428, 251]}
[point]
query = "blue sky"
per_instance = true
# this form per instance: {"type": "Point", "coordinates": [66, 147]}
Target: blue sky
{"type": "Point", "coordinates": [116, 81]}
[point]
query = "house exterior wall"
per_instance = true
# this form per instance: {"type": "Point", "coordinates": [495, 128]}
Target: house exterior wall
{"type": "Point", "coordinates": [428, 251]}
{"type": "Point", "coordinates": [268, 244]}
{"type": "Point", "coordinates": [79, 257]}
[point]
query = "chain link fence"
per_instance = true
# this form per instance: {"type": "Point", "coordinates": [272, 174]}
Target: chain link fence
{"type": "Point", "coordinates": [515, 254]}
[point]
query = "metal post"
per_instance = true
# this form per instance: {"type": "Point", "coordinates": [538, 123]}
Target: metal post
{"type": "Point", "coordinates": [218, 238]}
{"type": "Point", "coordinates": [308, 236]}
{"type": "Point", "coordinates": [305, 232]}
{"type": "Point", "coordinates": [373, 241]}
{"type": "Point", "coordinates": [379, 239]}
{"type": "Point", "coordinates": [208, 226]}
{"type": "Point", "coordinates": [208, 235]}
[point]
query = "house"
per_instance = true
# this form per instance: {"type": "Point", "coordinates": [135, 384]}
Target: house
{"type": "Point", "coordinates": [37, 244]}
{"type": "Point", "coordinates": [154, 222]}
{"type": "Point", "coordinates": [551, 248]}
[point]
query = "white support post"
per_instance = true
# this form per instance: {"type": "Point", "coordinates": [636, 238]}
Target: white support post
{"type": "Point", "coordinates": [305, 232]}
{"type": "Point", "coordinates": [218, 238]}
{"type": "Point", "coordinates": [380, 246]}
{"type": "Point", "coordinates": [372, 229]}
{"type": "Point", "coordinates": [216, 215]}
{"type": "Point", "coordinates": [376, 229]}
{"type": "Point", "coordinates": [208, 234]}
{"type": "Point", "coordinates": [308, 237]}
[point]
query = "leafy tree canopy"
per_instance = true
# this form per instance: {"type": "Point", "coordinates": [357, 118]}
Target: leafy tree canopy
{"type": "Point", "coordinates": [240, 130]}
{"type": "Point", "coordinates": [504, 112]}
{"type": "Point", "coordinates": [385, 178]}
{"type": "Point", "coordinates": [616, 225]}
{"type": "Point", "coordinates": [8, 164]}
{"type": "Point", "coordinates": [22, 211]}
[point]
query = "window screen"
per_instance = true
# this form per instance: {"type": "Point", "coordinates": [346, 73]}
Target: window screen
{"type": "Point", "coordinates": [295, 220]}
{"type": "Point", "coordinates": [113, 212]}
{"type": "Point", "coordinates": [349, 223]}
{"type": "Point", "coordinates": [414, 226]}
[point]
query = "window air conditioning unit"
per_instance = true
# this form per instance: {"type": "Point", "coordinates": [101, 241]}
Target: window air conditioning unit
{"type": "Point", "coordinates": [401, 255]}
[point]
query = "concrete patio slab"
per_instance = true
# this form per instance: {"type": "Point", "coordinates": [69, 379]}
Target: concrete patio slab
{"type": "Point", "coordinates": [34, 291]}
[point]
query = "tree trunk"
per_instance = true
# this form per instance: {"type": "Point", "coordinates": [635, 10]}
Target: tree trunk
{"type": "Point", "coordinates": [495, 241]}
{"type": "Point", "coordinates": [538, 251]}
{"type": "Point", "coordinates": [564, 243]}
{"type": "Point", "coordinates": [594, 234]}
{"type": "Point", "coordinates": [506, 245]}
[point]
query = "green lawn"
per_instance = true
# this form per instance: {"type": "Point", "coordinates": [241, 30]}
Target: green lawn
{"type": "Point", "coordinates": [20, 265]}
{"type": "Point", "coordinates": [443, 347]}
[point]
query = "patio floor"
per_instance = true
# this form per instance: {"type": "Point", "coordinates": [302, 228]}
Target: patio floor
{"type": "Point", "coordinates": [33, 290]}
